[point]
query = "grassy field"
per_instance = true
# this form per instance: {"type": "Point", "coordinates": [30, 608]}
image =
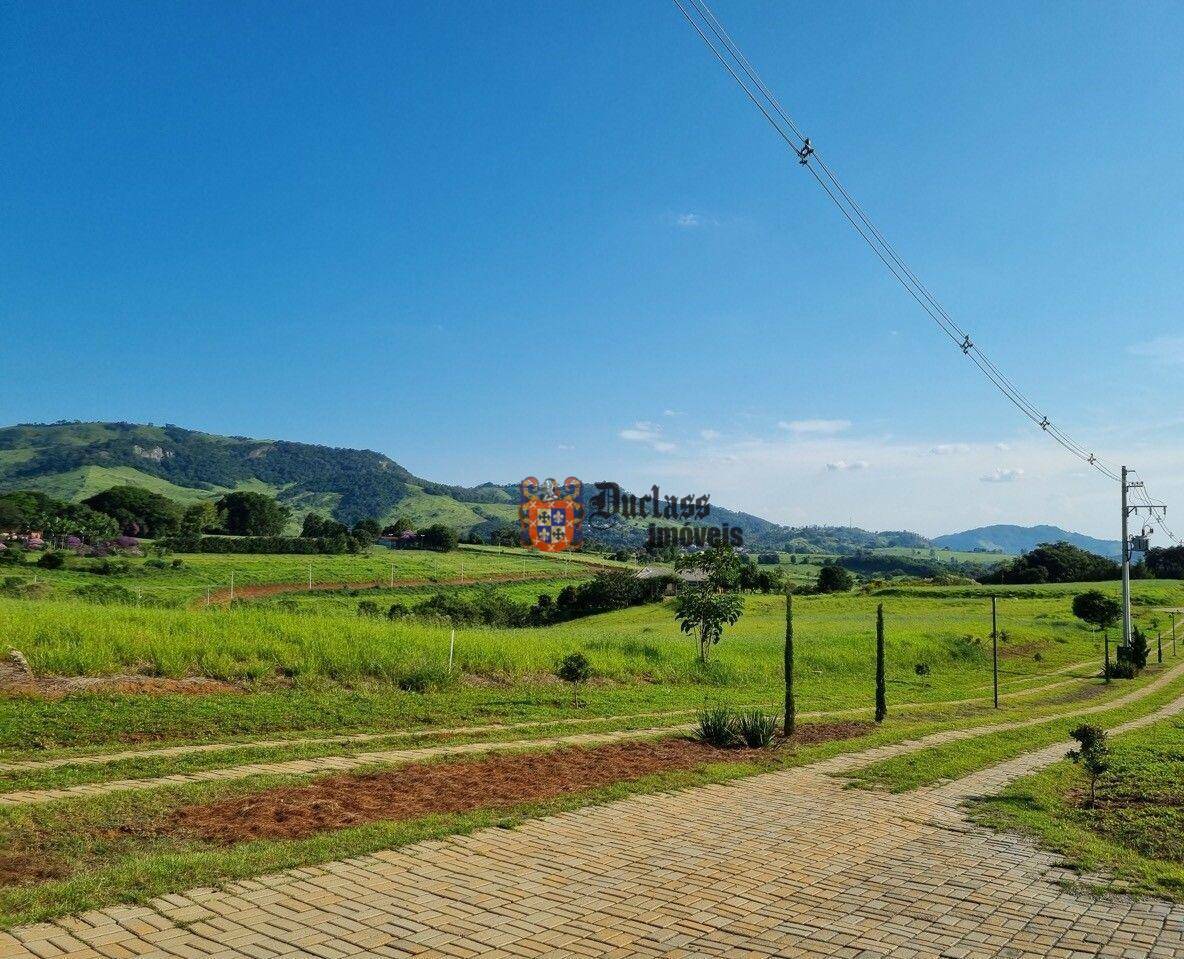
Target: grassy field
{"type": "Point", "coordinates": [202, 572]}
{"type": "Point", "coordinates": [1135, 832]}
{"type": "Point", "coordinates": [337, 670]}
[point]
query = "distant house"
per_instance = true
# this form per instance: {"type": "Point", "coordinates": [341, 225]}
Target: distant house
{"type": "Point", "coordinates": [661, 572]}
{"type": "Point", "coordinates": [407, 540]}
{"type": "Point", "coordinates": [33, 539]}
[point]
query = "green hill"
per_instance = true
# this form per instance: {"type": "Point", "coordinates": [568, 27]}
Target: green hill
{"type": "Point", "coordinates": [76, 460]}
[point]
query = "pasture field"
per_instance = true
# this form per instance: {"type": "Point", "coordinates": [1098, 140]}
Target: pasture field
{"type": "Point", "coordinates": [294, 672]}
{"type": "Point", "coordinates": [200, 573]}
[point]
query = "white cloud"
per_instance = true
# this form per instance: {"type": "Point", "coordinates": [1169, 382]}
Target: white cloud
{"type": "Point", "coordinates": [1002, 447]}
{"type": "Point", "coordinates": [949, 449]}
{"type": "Point", "coordinates": [671, 413]}
{"type": "Point", "coordinates": [709, 434]}
{"type": "Point", "coordinates": [564, 447]}
{"type": "Point", "coordinates": [688, 221]}
{"type": "Point", "coordinates": [842, 465]}
{"type": "Point", "coordinates": [644, 431]}
{"type": "Point", "coordinates": [1168, 350]}
{"type": "Point", "coordinates": [814, 426]}
{"type": "Point", "coordinates": [1000, 475]}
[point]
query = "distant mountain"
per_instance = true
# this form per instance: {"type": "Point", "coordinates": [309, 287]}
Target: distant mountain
{"type": "Point", "coordinates": [1014, 540]}
{"type": "Point", "coordinates": [74, 460]}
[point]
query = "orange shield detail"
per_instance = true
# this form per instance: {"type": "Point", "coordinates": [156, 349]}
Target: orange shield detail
{"type": "Point", "coordinates": [551, 525]}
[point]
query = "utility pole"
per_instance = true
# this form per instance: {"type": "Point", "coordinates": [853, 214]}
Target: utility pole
{"type": "Point", "coordinates": [1126, 565]}
{"type": "Point", "coordinates": [995, 651]}
{"type": "Point", "coordinates": [1131, 544]}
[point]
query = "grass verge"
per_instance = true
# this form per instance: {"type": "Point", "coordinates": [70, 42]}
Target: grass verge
{"type": "Point", "coordinates": [953, 760]}
{"type": "Point", "coordinates": [1133, 839]}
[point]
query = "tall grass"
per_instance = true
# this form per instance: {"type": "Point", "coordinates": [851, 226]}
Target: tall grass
{"type": "Point", "coordinates": [835, 645]}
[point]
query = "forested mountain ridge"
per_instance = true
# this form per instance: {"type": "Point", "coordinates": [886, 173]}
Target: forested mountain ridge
{"type": "Point", "coordinates": [75, 460]}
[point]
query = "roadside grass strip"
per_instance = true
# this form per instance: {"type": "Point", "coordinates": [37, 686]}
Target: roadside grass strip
{"type": "Point", "coordinates": [950, 756]}
{"type": "Point", "coordinates": [1132, 839]}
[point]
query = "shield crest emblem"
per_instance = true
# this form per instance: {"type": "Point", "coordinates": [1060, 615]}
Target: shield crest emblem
{"type": "Point", "coordinates": [551, 514]}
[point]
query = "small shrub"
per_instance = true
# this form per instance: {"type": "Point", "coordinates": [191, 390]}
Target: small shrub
{"type": "Point", "coordinates": [367, 607]}
{"type": "Point", "coordinates": [922, 669]}
{"type": "Point", "coordinates": [51, 561]}
{"type": "Point", "coordinates": [105, 594]}
{"type": "Point", "coordinates": [574, 669]}
{"type": "Point", "coordinates": [756, 728]}
{"type": "Point", "coordinates": [397, 611]}
{"type": "Point", "coordinates": [1092, 755]}
{"type": "Point", "coordinates": [1122, 669]}
{"type": "Point", "coordinates": [178, 564]}
{"type": "Point", "coordinates": [155, 564]}
{"type": "Point", "coordinates": [717, 726]}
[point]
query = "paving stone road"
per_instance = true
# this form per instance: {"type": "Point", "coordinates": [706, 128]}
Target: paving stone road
{"type": "Point", "coordinates": [785, 864]}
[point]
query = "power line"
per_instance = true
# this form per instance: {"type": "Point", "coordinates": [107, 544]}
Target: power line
{"type": "Point", "coordinates": [728, 53]}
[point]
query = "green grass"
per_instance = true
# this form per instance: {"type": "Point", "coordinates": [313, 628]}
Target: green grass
{"type": "Point", "coordinates": [1136, 831]}
{"type": "Point", "coordinates": [345, 672]}
{"type": "Point", "coordinates": [954, 760]}
{"type": "Point", "coordinates": [202, 571]}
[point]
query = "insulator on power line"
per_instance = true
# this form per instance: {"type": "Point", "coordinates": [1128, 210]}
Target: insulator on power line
{"type": "Point", "coordinates": [805, 152]}
{"type": "Point", "coordinates": [1092, 459]}
{"type": "Point", "coordinates": [1045, 424]}
{"type": "Point", "coordinates": [966, 344]}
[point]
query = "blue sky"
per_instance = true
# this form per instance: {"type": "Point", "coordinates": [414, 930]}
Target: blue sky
{"type": "Point", "coordinates": [493, 239]}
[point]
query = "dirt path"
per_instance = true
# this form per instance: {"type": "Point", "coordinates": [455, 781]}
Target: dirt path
{"type": "Point", "coordinates": [783, 864]}
{"type": "Point", "coordinates": [26, 765]}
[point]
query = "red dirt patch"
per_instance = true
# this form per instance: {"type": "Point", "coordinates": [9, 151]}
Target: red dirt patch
{"type": "Point", "coordinates": [811, 733]}
{"type": "Point", "coordinates": [491, 782]}
{"type": "Point", "coordinates": [423, 789]}
{"type": "Point", "coordinates": [17, 868]}
{"type": "Point", "coordinates": [55, 687]}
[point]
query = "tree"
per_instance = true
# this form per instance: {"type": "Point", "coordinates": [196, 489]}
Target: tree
{"type": "Point", "coordinates": [704, 604]}
{"type": "Point", "coordinates": [247, 513]}
{"type": "Point", "coordinates": [832, 578]}
{"type": "Point", "coordinates": [400, 526]}
{"type": "Point", "coordinates": [367, 529]}
{"type": "Point", "coordinates": [576, 670]}
{"type": "Point", "coordinates": [138, 512]}
{"type": "Point", "coordinates": [438, 537]}
{"type": "Point", "coordinates": [1163, 563]}
{"type": "Point", "coordinates": [508, 534]}
{"type": "Point", "coordinates": [198, 517]}
{"type": "Point", "coordinates": [313, 526]}
{"type": "Point", "coordinates": [790, 708]}
{"type": "Point", "coordinates": [1093, 755]}
{"type": "Point", "coordinates": [1097, 609]}
{"type": "Point", "coordinates": [881, 686]}
{"type": "Point", "coordinates": [1055, 563]}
